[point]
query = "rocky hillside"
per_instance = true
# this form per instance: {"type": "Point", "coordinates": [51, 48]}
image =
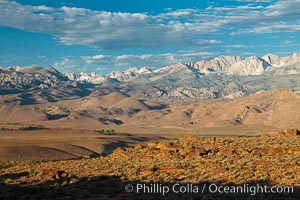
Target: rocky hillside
{"type": "Point", "coordinates": [24, 78]}
{"type": "Point", "coordinates": [268, 160]}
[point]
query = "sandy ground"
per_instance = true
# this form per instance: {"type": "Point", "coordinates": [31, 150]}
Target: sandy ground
{"type": "Point", "coordinates": [61, 144]}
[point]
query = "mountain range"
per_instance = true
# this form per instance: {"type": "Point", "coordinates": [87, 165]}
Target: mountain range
{"type": "Point", "coordinates": [221, 77]}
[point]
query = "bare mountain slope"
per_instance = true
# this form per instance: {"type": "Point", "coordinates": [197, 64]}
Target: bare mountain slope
{"type": "Point", "coordinates": [218, 64]}
{"type": "Point", "coordinates": [105, 101]}
{"type": "Point", "coordinates": [131, 103]}
{"type": "Point", "coordinates": [114, 100]}
{"type": "Point", "coordinates": [12, 114]}
{"type": "Point", "coordinates": [277, 108]}
{"type": "Point", "coordinates": [175, 72]}
{"type": "Point", "coordinates": [249, 66]}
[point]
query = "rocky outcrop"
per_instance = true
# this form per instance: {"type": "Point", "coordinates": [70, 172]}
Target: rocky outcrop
{"type": "Point", "coordinates": [129, 74]}
{"type": "Point", "coordinates": [16, 78]}
{"type": "Point", "coordinates": [189, 93]}
{"type": "Point", "coordinates": [249, 66]}
{"type": "Point", "coordinates": [290, 133]}
{"type": "Point", "coordinates": [92, 77]}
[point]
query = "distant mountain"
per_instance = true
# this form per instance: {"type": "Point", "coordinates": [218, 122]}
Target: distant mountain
{"type": "Point", "coordinates": [175, 72]}
{"type": "Point", "coordinates": [218, 64]}
{"type": "Point", "coordinates": [129, 74]}
{"type": "Point", "coordinates": [114, 76]}
{"type": "Point", "coordinates": [89, 77]}
{"type": "Point", "coordinates": [283, 65]}
{"type": "Point", "coordinates": [47, 71]}
{"type": "Point", "coordinates": [273, 60]}
{"type": "Point", "coordinates": [248, 66]}
{"type": "Point", "coordinates": [19, 78]}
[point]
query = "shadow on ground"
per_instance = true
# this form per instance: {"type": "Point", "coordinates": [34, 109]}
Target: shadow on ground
{"type": "Point", "coordinates": [109, 148]}
{"type": "Point", "coordinates": [111, 187]}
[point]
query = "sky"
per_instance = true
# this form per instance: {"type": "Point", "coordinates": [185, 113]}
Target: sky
{"type": "Point", "coordinates": [114, 35]}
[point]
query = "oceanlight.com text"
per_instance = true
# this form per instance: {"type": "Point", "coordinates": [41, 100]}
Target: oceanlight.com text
{"type": "Point", "coordinates": [157, 188]}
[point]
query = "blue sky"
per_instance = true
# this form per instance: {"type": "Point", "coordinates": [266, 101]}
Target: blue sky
{"type": "Point", "coordinates": [109, 35]}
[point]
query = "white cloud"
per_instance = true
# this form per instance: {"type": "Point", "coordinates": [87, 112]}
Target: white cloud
{"type": "Point", "coordinates": [288, 9]}
{"type": "Point", "coordinates": [237, 8]}
{"type": "Point", "coordinates": [99, 57]}
{"type": "Point", "coordinates": [180, 13]}
{"type": "Point", "coordinates": [271, 28]}
{"type": "Point", "coordinates": [43, 57]}
{"type": "Point", "coordinates": [42, 8]}
{"type": "Point", "coordinates": [256, 1]}
{"type": "Point", "coordinates": [281, 16]}
{"type": "Point", "coordinates": [236, 46]}
{"type": "Point", "coordinates": [209, 42]}
{"type": "Point", "coordinates": [287, 42]}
